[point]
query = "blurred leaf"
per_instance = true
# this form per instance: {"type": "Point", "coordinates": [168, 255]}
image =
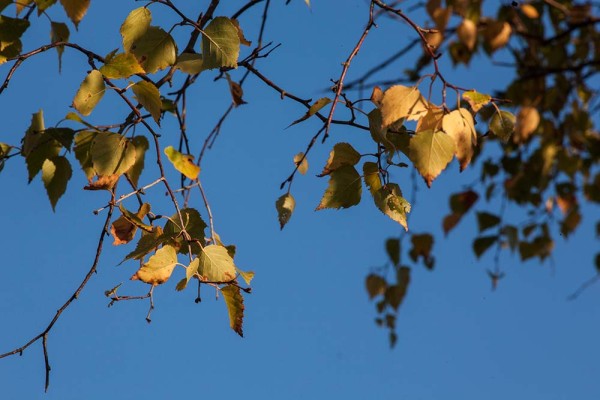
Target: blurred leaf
{"type": "Point", "coordinates": [502, 125]}
{"type": "Point", "coordinates": [389, 200]}
{"type": "Point", "coordinates": [481, 244]}
{"type": "Point", "coordinates": [376, 285]}
{"type": "Point", "coordinates": [476, 100]}
{"type": "Point", "coordinates": [459, 124]}
{"type": "Point", "coordinates": [392, 247]}
{"type": "Point", "coordinates": [486, 220]}
{"type": "Point", "coordinates": [285, 207]}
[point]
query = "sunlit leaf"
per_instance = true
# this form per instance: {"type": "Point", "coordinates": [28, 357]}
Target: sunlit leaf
{"type": "Point", "coordinates": [402, 102]}
{"type": "Point", "coordinates": [459, 124]}
{"type": "Point", "coordinates": [135, 26]}
{"type": "Point", "coordinates": [341, 155]}
{"type": "Point", "coordinates": [431, 152]}
{"type": "Point", "coordinates": [216, 265]}
{"type": "Point", "coordinates": [371, 177]}
{"type": "Point", "coordinates": [527, 121]}
{"type": "Point", "coordinates": [247, 276]}
{"type": "Point", "coordinates": [476, 100]}
{"type": "Point", "coordinates": [235, 306]}
{"type": "Point", "coordinates": [155, 50]}
{"type": "Point", "coordinates": [496, 35]}
{"type": "Point", "coordinates": [90, 93]}
{"type": "Point", "coordinates": [121, 66]}
{"type": "Point", "coordinates": [56, 173]}
{"type": "Point", "coordinates": [159, 267]}
{"type": "Point", "coordinates": [103, 182]}
{"type": "Point", "coordinates": [112, 154]}
{"type": "Point", "coordinates": [314, 108]}
{"type": "Point", "coordinates": [75, 9]}
{"type": "Point", "coordinates": [240, 32]}
{"type": "Point", "coordinates": [530, 11]}
{"type": "Point", "coordinates": [285, 207]}
{"type": "Point", "coordinates": [183, 163]}
{"type": "Point", "coordinates": [467, 33]}
{"type": "Point", "coordinates": [344, 189]}
{"type": "Point", "coordinates": [147, 95]}
{"type": "Point", "coordinates": [220, 44]}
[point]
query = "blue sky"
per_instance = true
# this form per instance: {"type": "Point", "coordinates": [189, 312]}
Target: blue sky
{"type": "Point", "coordinates": [309, 330]}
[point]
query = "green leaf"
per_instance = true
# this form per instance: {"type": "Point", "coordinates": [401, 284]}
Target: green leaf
{"type": "Point", "coordinates": [344, 189]}
{"type": "Point", "coordinates": [476, 100]}
{"type": "Point", "coordinates": [341, 155]}
{"type": "Point", "coordinates": [90, 93]}
{"type": "Point", "coordinates": [402, 102]}
{"type": "Point", "coordinates": [56, 172]}
{"type": "Point", "coordinates": [147, 94]}
{"type": "Point", "coordinates": [285, 207]}
{"type": "Point", "coordinates": [481, 244]}
{"type": "Point", "coordinates": [392, 247]}
{"type": "Point", "coordinates": [502, 125]}
{"type": "Point", "coordinates": [486, 220]}
{"type": "Point", "coordinates": [389, 200]}
{"type": "Point", "coordinates": [459, 124]}
{"type": "Point", "coordinates": [11, 29]}
{"type": "Point", "coordinates": [4, 152]}
{"type": "Point", "coordinates": [314, 108]}
{"type": "Point", "coordinates": [190, 63]}
{"type": "Point", "coordinates": [376, 285]}
{"type": "Point", "coordinates": [194, 226]}
{"type": "Point", "coordinates": [83, 145]}
{"type": "Point", "coordinates": [155, 50]}
{"type": "Point", "coordinates": [220, 44]}
{"type": "Point", "coordinates": [75, 9]}
{"type": "Point", "coordinates": [121, 66]}
{"type": "Point", "coordinates": [159, 267]}
{"type": "Point", "coordinates": [235, 307]}
{"type": "Point", "coordinates": [431, 152]}
{"type": "Point", "coordinates": [301, 162]}
{"type": "Point", "coordinates": [183, 163]}
{"type": "Point", "coordinates": [59, 32]}
{"type": "Point", "coordinates": [216, 265]}
{"type": "Point", "coordinates": [140, 143]}
{"type": "Point", "coordinates": [38, 146]}
{"type": "Point", "coordinates": [112, 154]}
{"type": "Point", "coordinates": [135, 26]}
{"type": "Point", "coordinates": [371, 177]}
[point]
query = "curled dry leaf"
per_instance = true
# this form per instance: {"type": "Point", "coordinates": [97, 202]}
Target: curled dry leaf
{"type": "Point", "coordinates": [104, 182]}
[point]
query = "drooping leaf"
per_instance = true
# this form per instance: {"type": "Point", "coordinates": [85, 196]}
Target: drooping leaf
{"type": "Point", "coordinates": [341, 155]}
{"type": "Point", "coordinates": [121, 66]}
{"type": "Point", "coordinates": [75, 9]}
{"type": "Point", "coordinates": [376, 285]}
{"type": "Point", "coordinates": [194, 226]}
{"type": "Point", "coordinates": [496, 34]}
{"type": "Point", "coordinates": [344, 189]}
{"type": "Point", "coordinates": [190, 63]}
{"type": "Point", "coordinates": [392, 247]}
{"type": "Point", "coordinates": [136, 218]}
{"type": "Point", "coordinates": [301, 162]}
{"type": "Point", "coordinates": [402, 102]}
{"type": "Point", "coordinates": [124, 228]}
{"type": "Point", "coordinates": [481, 244]}
{"type": "Point", "coordinates": [389, 200]}
{"type": "Point", "coordinates": [183, 163]}
{"type": "Point", "coordinates": [140, 143]}
{"type": "Point", "coordinates": [236, 90]}
{"type": "Point", "coordinates": [431, 152]}
{"type": "Point", "coordinates": [38, 146]}
{"type": "Point", "coordinates": [371, 177]}
{"type": "Point", "coordinates": [90, 93]}
{"type": "Point", "coordinates": [394, 295]}
{"type": "Point", "coordinates": [240, 32]}
{"type": "Point", "coordinates": [235, 307]}
{"type": "Point", "coordinates": [191, 270]}
{"type": "Point", "coordinates": [56, 173]}
{"type": "Point", "coordinates": [314, 108]}
{"type": "Point", "coordinates": [460, 203]}
{"type": "Point", "coordinates": [83, 145]}
{"type": "Point", "coordinates": [476, 100]}
{"type": "Point", "coordinates": [135, 26]}
{"type": "Point", "coordinates": [4, 153]}
{"type": "Point", "coordinates": [285, 207]}
{"type": "Point", "coordinates": [459, 124]}
{"type": "Point", "coordinates": [159, 267]}
{"type": "Point", "coordinates": [486, 220]}
{"type": "Point", "coordinates": [220, 44]}
{"type": "Point", "coordinates": [216, 265]}
{"type": "Point", "coordinates": [155, 50]}
{"type": "Point", "coordinates": [422, 246]}
{"type": "Point", "coordinates": [43, 5]}
{"type": "Point", "coordinates": [502, 125]}
{"type": "Point", "coordinates": [467, 33]}
{"type": "Point", "coordinates": [59, 32]}
{"type": "Point", "coordinates": [112, 154]}
{"type": "Point", "coordinates": [147, 95]}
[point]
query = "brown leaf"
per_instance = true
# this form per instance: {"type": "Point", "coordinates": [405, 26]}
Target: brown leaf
{"type": "Point", "coordinates": [104, 182]}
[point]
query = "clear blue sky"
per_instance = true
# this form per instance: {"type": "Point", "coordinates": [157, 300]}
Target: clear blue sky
{"type": "Point", "coordinates": [309, 330]}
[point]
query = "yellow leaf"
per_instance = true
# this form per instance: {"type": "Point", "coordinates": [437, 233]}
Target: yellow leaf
{"type": "Point", "coordinates": [402, 102]}
{"type": "Point", "coordinates": [159, 267]}
{"type": "Point", "coordinates": [285, 207]}
{"type": "Point", "coordinates": [183, 163]}
{"type": "Point", "coordinates": [75, 9]}
{"type": "Point", "coordinates": [459, 124]}
{"type": "Point", "coordinates": [235, 306]}
{"type": "Point", "coordinates": [301, 162]}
